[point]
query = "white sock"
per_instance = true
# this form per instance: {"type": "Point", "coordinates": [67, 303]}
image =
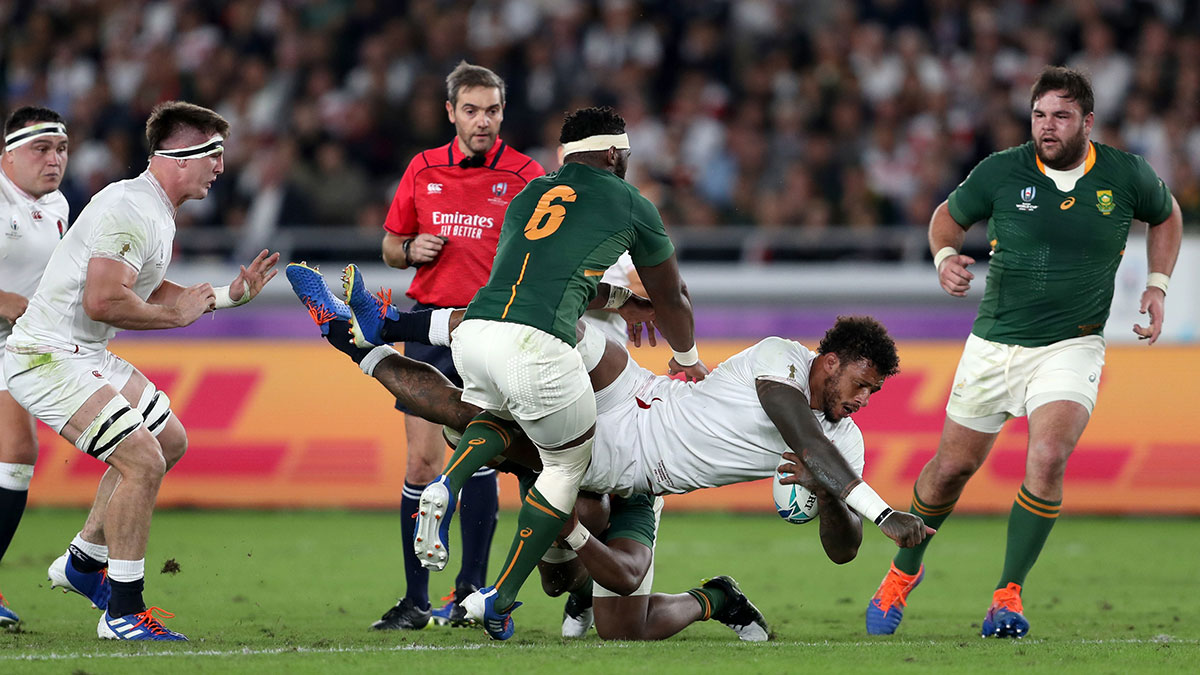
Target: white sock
{"type": "Point", "coordinates": [15, 477]}
{"type": "Point", "coordinates": [126, 570]}
{"type": "Point", "coordinates": [96, 552]}
{"type": "Point", "coordinates": [439, 327]}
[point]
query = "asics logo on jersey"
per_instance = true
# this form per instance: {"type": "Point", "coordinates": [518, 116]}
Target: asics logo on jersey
{"type": "Point", "coordinates": [458, 218]}
{"type": "Point", "coordinates": [1067, 203]}
{"type": "Point", "coordinates": [434, 188]}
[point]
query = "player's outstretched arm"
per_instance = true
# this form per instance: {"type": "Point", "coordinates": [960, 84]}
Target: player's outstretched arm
{"type": "Point", "coordinates": [1162, 250]}
{"type": "Point", "coordinates": [108, 297]}
{"type": "Point", "coordinates": [673, 315]}
{"type": "Point", "coordinates": [425, 391]}
{"type": "Point", "coordinates": [619, 565]}
{"type": "Point", "coordinates": [946, 238]}
{"type": "Point", "coordinates": [790, 412]}
{"type": "Point", "coordinates": [841, 528]}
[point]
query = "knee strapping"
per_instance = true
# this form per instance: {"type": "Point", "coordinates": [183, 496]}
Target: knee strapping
{"type": "Point", "coordinates": [155, 409]}
{"type": "Point", "coordinates": [16, 477]}
{"type": "Point", "coordinates": [562, 471]}
{"type": "Point", "coordinates": [115, 421]}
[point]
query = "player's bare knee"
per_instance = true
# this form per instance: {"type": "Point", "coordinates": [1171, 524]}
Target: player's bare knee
{"type": "Point", "coordinates": [139, 458]}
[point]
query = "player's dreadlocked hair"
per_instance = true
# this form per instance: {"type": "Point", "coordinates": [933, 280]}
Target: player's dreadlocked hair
{"type": "Point", "coordinates": [854, 338]}
{"type": "Point", "coordinates": [591, 122]}
{"type": "Point", "coordinates": [30, 113]}
{"type": "Point", "coordinates": [1058, 78]}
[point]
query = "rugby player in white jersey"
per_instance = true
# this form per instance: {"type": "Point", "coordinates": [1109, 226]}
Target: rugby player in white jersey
{"type": "Point", "coordinates": [108, 274]}
{"type": "Point", "coordinates": [656, 435]}
{"type": "Point", "coordinates": [34, 214]}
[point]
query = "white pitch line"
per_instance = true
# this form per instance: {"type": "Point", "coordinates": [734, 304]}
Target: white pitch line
{"type": "Point", "coordinates": [1159, 640]}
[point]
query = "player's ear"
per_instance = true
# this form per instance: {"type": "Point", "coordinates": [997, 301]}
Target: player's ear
{"type": "Point", "coordinates": [450, 111]}
{"type": "Point", "coordinates": [831, 362]}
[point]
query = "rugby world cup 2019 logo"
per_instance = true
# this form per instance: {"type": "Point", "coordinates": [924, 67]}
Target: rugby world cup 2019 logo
{"type": "Point", "coordinates": [500, 189]}
{"type": "Point", "coordinates": [1027, 195]}
{"type": "Point", "coordinates": [1104, 201]}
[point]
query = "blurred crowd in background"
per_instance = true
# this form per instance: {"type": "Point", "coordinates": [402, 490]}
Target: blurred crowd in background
{"type": "Point", "coordinates": [791, 114]}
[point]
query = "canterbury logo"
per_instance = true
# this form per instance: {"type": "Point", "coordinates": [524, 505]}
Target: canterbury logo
{"type": "Point", "coordinates": [1067, 203]}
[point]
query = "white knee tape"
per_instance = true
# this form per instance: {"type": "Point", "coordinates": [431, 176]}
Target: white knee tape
{"type": "Point", "coordinates": [452, 436]}
{"type": "Point", "coordinates": [15, 477]}
{"type": "Point", "coordinates": [155, 408]}
{"type": "Point", "coordinates": [562, 471]}
{"type": "Point", "coordinates": [557, 556]}
{"type": "Point", "coordinates": [116, 420]}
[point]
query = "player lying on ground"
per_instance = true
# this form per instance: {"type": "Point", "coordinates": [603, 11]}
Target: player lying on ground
{"type": "Point", "coordinates": [687, 436]}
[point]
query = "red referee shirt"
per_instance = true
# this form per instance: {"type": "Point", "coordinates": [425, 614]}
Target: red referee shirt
{"type": "Point", "coordinates": [466, 206]}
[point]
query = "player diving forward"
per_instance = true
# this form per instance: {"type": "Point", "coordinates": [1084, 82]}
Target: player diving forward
{"type": "Point", "coordinates": [656, 435]}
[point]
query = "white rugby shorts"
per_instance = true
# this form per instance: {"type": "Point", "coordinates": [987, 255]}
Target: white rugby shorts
{"type": "Point", "coordinates": [53, 386]}
{"type": "Point", "coordinates": [599, 591]}
{"type": "Point", "coordinates": [518, 369]}
{"type": "Point", "coordinates": [616, 456]}
{"type": "Point", "coordinates": [995, 382]}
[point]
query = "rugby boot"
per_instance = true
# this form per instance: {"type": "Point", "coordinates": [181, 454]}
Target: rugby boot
{"type": "Point", "coordinates": [1004, 617]}
{"type": "Point", "coordinates": [8, 618]}
{"type": "Point", "coordinates": [887, 607]}
{"type": "Point", "coordinates": [367, 312]}
{"type": "Point", "coordinates": [92, 585]}
{"type": "Point", "coordinates": [481, 606]}
{"type": "Point", "coordinates": [140, 626]}
{"type": "Point", "coordinates": [432, 532]}
{"type": "Point", "coordinates": [404, 616]}
{"type": "Point", "coordinates": [577, 619]}
{"type": "Point", "coordinates": [452, 613]}
{"type": "Point", "coordinates": [739, 613]}
{"type": "Point", "coordinates": [308, 285]}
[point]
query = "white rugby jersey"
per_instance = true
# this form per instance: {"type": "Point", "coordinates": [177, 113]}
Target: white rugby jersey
{"type": "Point", "coordinates": [611, 323]}
{"type": "Point", "coordinates": [32, 228]}
{"type": "Point", "coordinates": [710, 433]}
{"type": "Point", "coordinates": [131, 221]}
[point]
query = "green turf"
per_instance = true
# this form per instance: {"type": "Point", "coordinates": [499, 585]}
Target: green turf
{"type": "Point", "coordinates": [295, 591]}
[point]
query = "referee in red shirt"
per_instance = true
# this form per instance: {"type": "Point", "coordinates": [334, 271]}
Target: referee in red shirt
{"type": "Point", "coordinates": [445, 221]}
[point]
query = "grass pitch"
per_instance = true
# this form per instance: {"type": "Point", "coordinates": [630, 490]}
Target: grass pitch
{"type": "Point", "coordinates": [295, 592]}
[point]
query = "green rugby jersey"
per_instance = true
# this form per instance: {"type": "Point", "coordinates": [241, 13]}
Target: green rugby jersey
{"type": "Point", "coordinates": [1054, 254]}
{"type": "Point", "coordinates": [559, 236]}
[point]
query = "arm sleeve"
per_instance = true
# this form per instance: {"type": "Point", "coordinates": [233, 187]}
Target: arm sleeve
{"type": "Point", "coordinates": [783, 361]}
{"type": "Point", "coordinates": [1153, 201]}
{"type": "Point", "coordinates": [971, 201]}
{"type": "Point", "coordinates": [402, 215]}
{"type": "Point", "coordinates": [651, 244]}
{"type": "Point", "coordinates": [119, 237]}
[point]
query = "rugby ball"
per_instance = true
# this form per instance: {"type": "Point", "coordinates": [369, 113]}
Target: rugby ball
{"type": "Point", "coordinates": [794, 503]}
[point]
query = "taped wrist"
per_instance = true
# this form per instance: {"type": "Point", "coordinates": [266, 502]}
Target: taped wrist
{"type": "Point", "coordinates": [869, 504]}
{"type": "Point", "coordinates": [223, 301]}
{"type": "Point", "coordinates": [689, 358]}
{"type": "Point", "coordinates": [943, 253]}
{"type": "Point", "coordinates": [373, 358]}
{"type": "Point", "coordinates": [578, 537]}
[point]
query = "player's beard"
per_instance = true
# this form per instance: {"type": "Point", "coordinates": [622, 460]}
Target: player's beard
{"type": "Point", "coordinates": [830, 405]}
{"type": "Point", "coordinates": [1071, 151]}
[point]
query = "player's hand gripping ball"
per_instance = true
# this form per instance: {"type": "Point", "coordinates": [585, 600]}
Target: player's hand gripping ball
{"type": "Point", "coordinates": [794, 503]}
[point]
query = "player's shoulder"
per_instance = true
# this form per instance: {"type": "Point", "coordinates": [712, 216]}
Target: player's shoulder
{"type": "Point", "coordinates": [1116, 159]}
{"type": "Point", "coordinates": [778, 345]}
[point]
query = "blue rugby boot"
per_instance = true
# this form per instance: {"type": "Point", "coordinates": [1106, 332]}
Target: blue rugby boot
{"type": "Point", "coordinates": [1004, 617]}
{"type": "Point", "coordinates": [308, 285]}
{"type": "Point", "coordinates": [368, 312]}
{"type": "Point", "coordinates": [452, 613]}
{"type": "Point", "coordinates": [92, 585]}
{"type": "Point", "coordinates": [8, 618]}
{"type": "Point", "coordinates": [140, 626]}
{"type": "Point", "coordinates": [887, 607]}
{"type": "Point", "coordinates": [434, 511]}
{"type": "Point", "coordinates": [481, 606]}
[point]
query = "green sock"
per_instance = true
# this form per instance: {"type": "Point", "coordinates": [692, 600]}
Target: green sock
{"type": "Point", "coordinates": [538, 524]}
{"type": "Point", "coordinates": [711, 600]}
{"type": "Point", "coordinates": [484, 438]}
{"type": "Point", "coordinates": [908, 560]}
{"type": "Point", "coordinates": [1029, 524]}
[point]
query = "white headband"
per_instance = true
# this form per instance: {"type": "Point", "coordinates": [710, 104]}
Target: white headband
{"type": "Point", "coordinates": [26, 134]}
{"type": "Point", "coordinates": [597, 142]}
{"type": "Point", "coordinates": [210, 147]}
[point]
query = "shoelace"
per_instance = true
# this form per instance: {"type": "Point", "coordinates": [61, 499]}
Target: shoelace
{"type": "Point", "coordinates": [445, 598]}
{"type": "Point", "coordinates": [384, 296]}
{"type": "Point", "coordinates": [319, 313]}
{"type": "Point", "coordinates": [892, 592]}
{"type": "Point", "coordinates": [3, 602]}
{"type": "Point", "coordinates": [1009, 598]}
{"type": "Point", "coordinates": [152, 624]}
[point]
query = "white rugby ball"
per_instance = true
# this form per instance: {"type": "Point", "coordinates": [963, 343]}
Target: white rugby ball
{"type": "Point", "coordinates": [794, 503]}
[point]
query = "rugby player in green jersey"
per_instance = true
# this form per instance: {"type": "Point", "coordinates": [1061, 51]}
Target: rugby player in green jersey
{"type": "Point", "coordinates": [1058, 210]}
{"type": "Point", "coordinates": [515, 348]}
